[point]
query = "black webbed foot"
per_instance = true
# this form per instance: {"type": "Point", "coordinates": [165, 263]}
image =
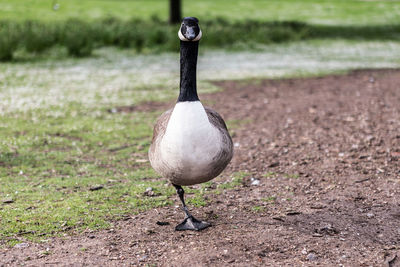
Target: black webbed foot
{"type": "Point", "coordinates": [191, 223]}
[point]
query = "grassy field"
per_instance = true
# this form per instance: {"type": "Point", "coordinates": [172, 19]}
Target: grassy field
{"type": "Point", "coordinates": [114, 77]}
{"type": "Point", "coordinates": [337, 12]}
{"type": "Point", "coordinates": [23, 40]}
{"type": "Point", "coordinates": [34, 27]}
{"type": "Point", "coordinates": [61, 134]}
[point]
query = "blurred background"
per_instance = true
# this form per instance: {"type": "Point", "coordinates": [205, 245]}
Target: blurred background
{"type": "Point", "coordinates": [30, 27]}
{"type": "Point", "coordinates": [94, 50]}
{"type": "Point", "coordinates": [98, 50]}
{"type": "Point", "coordinates": [69, 66]}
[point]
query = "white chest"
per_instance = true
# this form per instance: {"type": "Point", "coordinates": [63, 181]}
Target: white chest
{"type": "Point", "coordinates": [190, 142]}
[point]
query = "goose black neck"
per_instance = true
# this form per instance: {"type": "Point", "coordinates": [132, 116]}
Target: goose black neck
{"type": "Point", "coordinates": [188, 88]}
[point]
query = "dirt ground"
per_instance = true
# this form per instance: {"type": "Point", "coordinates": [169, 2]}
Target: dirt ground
{"type": "Point", "coordinates": [326, 153]}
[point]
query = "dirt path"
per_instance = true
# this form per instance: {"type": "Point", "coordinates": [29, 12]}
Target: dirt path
{"type": "Point", "coordinates": [327, 154]}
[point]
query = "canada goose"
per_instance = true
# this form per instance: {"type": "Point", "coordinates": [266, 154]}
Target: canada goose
{"type": "Point", "coordinates": [191, 143]}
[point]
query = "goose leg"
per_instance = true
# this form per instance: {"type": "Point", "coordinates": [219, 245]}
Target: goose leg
{"type": "Point", "coordinates": [190, 222]}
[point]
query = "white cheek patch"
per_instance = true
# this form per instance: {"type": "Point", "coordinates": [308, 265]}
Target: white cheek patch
{"type": "Point", "coordinates": [198, 37]}
{"type": "Point", "coordinates": [183, 38]}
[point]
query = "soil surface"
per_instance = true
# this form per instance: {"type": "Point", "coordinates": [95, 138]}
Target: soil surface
{"type": "Point", "coordinates": [323, 163]}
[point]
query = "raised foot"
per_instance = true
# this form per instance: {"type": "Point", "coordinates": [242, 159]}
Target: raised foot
{"type": "Point", "coordinates": [191, 223]}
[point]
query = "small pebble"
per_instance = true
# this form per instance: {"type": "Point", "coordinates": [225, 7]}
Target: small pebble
{"type": "Point", "coordinates": [370, 215]}
{"type": "Point", "coordinates": [7, 201]}
{"type": "Point", "coordinates": [274, 164]}
{"type": "Point", "coordinates": [96, 187]}
{"type": "Point", "coordinates": [143, 258]}
{"type": "Point", "coordinates": [254, 181]}
{"type": "Point", "coordinates": [311, 257]}
{"type": "Point", "coordinates": [149, 192]}
{"type": "Point", "coordinates": [21, 245]}
{"type": "Point", "coordinates": [150, 231]}
{"type": "Point", "coordinates": [162, 223]}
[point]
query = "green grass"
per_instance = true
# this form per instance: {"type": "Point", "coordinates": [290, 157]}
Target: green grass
{"type": "Point", "coordinates": [54, 151]}
{"type": "Point", "coordinates": [80, 37]}
{"type": "Point", "coordinates": [258, 208]}
{"type": "Point", "coordinates": [292, 176]}
{"type": "Point", "coordinates": [330, 12]}
{"type": "Point", "coordinates": [236, 180]}
{"type": "Point", "coordinates": [49, 161]}
{"type": "Point", "coordinates": [81, 26]}
{"type": "Point", "coordinates": [269, 174]}
{"type": "Point", "coordinates": [271, 199]}
{"type": "Point", "coordinates": [119, 78]}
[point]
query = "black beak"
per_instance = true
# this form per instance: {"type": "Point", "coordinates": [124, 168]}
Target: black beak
{"type": "Point", "coordinates": [190, 33]}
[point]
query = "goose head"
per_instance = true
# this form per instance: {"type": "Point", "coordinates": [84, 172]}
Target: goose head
{"type": "Point", "coordinates": [190, 30]}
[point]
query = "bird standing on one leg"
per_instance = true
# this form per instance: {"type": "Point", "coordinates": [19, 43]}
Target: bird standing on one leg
{"type": "Point", "coordinates": [191, 143]}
